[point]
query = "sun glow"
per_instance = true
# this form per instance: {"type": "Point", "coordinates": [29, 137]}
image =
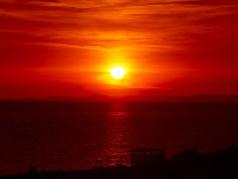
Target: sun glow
{"type": "Point", "coordinates": [118, 72]}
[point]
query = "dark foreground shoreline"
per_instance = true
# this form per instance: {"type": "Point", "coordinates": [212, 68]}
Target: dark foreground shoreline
{"type": "Point", "coordinates": [222, 164]}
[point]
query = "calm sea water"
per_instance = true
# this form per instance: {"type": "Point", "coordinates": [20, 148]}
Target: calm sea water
{"type": "Point", "coordinates": [69, 136]}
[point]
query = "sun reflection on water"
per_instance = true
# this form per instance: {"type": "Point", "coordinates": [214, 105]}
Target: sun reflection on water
{"type": "Point", "coordinates": [116, 148]}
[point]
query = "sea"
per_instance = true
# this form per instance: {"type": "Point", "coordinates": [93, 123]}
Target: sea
{"type": "Point", "coordinates": [82, 135]}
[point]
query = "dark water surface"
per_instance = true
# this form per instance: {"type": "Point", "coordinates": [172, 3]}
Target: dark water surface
{"type": "Point", "coordinates": [70, 136]}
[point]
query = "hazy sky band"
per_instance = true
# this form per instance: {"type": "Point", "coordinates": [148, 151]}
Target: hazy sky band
{"type": "Point", "coordinates": [194, 41]}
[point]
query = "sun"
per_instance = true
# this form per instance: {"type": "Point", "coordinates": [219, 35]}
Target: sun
{"type": "Point", "coordinates": [118, 72]}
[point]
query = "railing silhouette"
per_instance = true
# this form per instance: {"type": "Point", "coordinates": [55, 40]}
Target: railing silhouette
{"type": "Point", "coordinates": [147, 156]}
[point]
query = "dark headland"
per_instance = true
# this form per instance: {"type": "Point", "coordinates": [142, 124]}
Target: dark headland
{"type": "Point", "coordinates": [151, 163]}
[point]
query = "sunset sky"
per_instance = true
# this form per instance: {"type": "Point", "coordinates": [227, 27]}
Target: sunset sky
{"type": "Point", "coordinates": [168, 47]}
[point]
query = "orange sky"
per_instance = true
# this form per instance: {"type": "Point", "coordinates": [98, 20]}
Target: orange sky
{"type": "Point", "coordinates": [66, 47]}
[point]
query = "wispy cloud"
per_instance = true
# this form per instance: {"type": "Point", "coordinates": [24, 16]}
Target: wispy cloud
{"type": "Point", "coordinates": [182, 26]}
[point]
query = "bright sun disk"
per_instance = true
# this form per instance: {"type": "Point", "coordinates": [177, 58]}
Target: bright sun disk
{"type": "Point", "coordinates": [118, 72]}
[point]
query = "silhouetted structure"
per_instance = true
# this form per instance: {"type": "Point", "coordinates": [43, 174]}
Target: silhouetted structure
{"type": "Point", "coordinates": [32, 170]}
{"type": "Point", "coordinates": [140, 157]}
{"type": "Point", "coordinates": [151, 163]}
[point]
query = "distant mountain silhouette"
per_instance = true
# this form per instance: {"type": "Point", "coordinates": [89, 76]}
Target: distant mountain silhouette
{"type": "Point", "coordinates": [131, 98]}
